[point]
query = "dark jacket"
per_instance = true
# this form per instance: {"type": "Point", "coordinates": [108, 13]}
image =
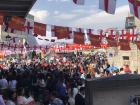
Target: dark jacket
{"type": "Point", "coordinates": [79, 100]}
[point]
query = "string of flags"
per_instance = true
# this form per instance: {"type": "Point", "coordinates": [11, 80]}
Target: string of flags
{"type": "Point", "coordinates": [109, 6]}
{"type": "Point", "coordinates": [97, 40]}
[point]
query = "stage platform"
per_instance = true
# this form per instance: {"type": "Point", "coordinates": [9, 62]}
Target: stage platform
{"type": "Point", "coordinates": [114, 90]}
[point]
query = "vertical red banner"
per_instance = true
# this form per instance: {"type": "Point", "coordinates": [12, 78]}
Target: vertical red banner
{"type": "Point", "coordinates": [79, 38]}
{"type": "Point", "coordinates": [95, 40]}
{"type": "Point", "coordinates": [40, 29]}
{"type": "Point", "coordinates": [61, 32]}
{"type": "Point", "coordinates": [17, 23]}
{"type": "Point", "coordinates": [124, 45]}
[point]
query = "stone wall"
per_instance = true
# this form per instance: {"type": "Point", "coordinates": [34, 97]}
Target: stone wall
{"type": "Point", "coordinates": [133, 54]}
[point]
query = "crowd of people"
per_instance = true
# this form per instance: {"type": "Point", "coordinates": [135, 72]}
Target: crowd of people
{"type": "Point", "coordinates": [60, 81]}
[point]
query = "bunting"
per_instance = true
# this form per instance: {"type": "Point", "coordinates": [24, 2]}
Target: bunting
{"type": "Point", "coordinates": [61, 32]}
{"type": "Point", "coordinates": [138, 44]}
{"type": "Point", "coordinates": [124, 45]}
{"type": "Point", "coordinates": [95, 40]}
{"type": "Point", "coordinates": [122, 36]}
{"type": "Point", "coordinates": [29, 27]}
{"type": "Point", "coordinates": [108, 5]}
{"type": "Point", "coordinates": [17, 23]}
{"type": "Point", "coordinates": [134, 6]}
{"type": "Point", "coordinates": [129, 36]}
{"type": "Point", "coordinates": [40, 29]}
{"type": "Point", "coordinates": [112, 42]}
{"type": "Point", "coordinates": [79, 38]}
{"type": "Point", "coordinates": [111, 35]}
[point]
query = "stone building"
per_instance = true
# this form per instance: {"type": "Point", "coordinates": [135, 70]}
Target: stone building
{"type": "Point", "coordinates": [120, 58]}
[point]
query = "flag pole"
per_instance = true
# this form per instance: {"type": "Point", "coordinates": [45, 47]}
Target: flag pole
{"type": "Point", "coordinates": [137, 51]}
{"type": "Point", "coordinates": [137, 60]}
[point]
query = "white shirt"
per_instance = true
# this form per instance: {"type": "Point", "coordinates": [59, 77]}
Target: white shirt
{"type": "Point", "coordinates": [30, 100]}
{"type": "Point", "coordinates": [71, 101]}
{"type": "Point", "coordinates": [3, 83]}
{"type": "Point", "coordinates": [122, 72]}
{"type": "Point", "coordinates": [21, 100]}
{"type": "Point", "coordinates": [75, 91]}
{"type": "Point", "coordinates": [9, 102]}
{"type": "Point", "coordinates": [82, 76]}
{"type": "Point", "coordinates": [2, 100]}
{"type": "Point", "coordinates": [97, 75]}
{"type": "Point", "coordinates": [12, 84]}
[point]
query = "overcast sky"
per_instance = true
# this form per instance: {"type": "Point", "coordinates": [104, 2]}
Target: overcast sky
{"type": "Point", "coordinates": [66, 13]}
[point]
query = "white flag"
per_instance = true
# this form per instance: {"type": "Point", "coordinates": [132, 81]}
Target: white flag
{"type": "Point", "coordinates": [108, 5]}
{"type": "Point", "coordinates": [134, 7]}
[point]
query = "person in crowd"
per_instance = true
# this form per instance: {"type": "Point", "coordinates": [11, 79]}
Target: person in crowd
{"type": "Point", "coordinates": [121, 71]}
{"type": "Point", "coordinates": [1, 99]}
{"type": "Point", "coordinates": [80, 97]}
{"type": "Point", "coordinates": [55, 100]}
{"type": "Point", "coordinates": [10, 98]}
{"type": "Point", "coordinates": [56, 83]}
{"type": "Point", "coordinates": [3, 82]}
{"type": "Point", "coordinates": [71, 100]}
{"type": "Point", "coordinates": [21, 99]}
{"type": "Point", "coordinates": [12, 83]}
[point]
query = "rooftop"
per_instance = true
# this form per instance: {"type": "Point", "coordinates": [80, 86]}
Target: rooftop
{"type": "Point", "coordinates": [16, 7]}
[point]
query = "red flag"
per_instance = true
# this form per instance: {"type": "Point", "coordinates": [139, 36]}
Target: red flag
{"type": "Point", "coordinates": [17, 23]}
{"type": "Point", "coordinates": [128, 36]}
{"type": "Point", "coordinates": [112, 42]}
{"type": "Point", "coordinates": [40, 29]}
{"type": "Point", "coordinates": [138, 44]}
{"type": "Point", "coordinates": [61, 32]}
{"type": "Point", "coordinates": [124, 44]}
{"type": "Point", "coordinates": [95, 40]}
{"type": "Point", "coordinates": [79, 38]}
{"type": "Point", "coordinates": [111, 34]}
{"type": "Point", "coordinates": [122, 34]}
{"type": "Point", "coordinates": [1, 19]}
{"type": "Point", "coordinates": [101, 34]}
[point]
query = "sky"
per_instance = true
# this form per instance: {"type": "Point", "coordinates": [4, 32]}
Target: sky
{"type": "Point", "coordinates": [66, 13]}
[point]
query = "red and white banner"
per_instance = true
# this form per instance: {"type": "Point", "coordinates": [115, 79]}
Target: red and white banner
{"type": "Point", "coordinates": [79, 38]}
{"type": "Point", "coordinates": [108, 5]}
{"type": "Point", "coordinates": [122, 36]}
{"type": "Point", "coordinates": [29, 26]}
{"type": "Point", "coordinates": [129, 36]}
{"type": "Point", "coordinates": [40, 29]}
{"type": "Point", "coordinates": [95, 40]}
{"type": "Point", "coordinates": [17, 23]}
{"type": "Point", "coordinates": [138, 44]}
{"type": "Point", "coordinates": [111, 34]}
{"type": "Point", "coordinates": [134, 6]}
{"type": "Point", "coordinates": [79, 2]}
{"type": "Point", "coordinates": [1, 19]}
{"type": "Point", "coordinates": [61, 32]}
{"type": "Point", "coordinates": [112, 42]}
{"type": "Point", "coordinates": [124, 44]}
